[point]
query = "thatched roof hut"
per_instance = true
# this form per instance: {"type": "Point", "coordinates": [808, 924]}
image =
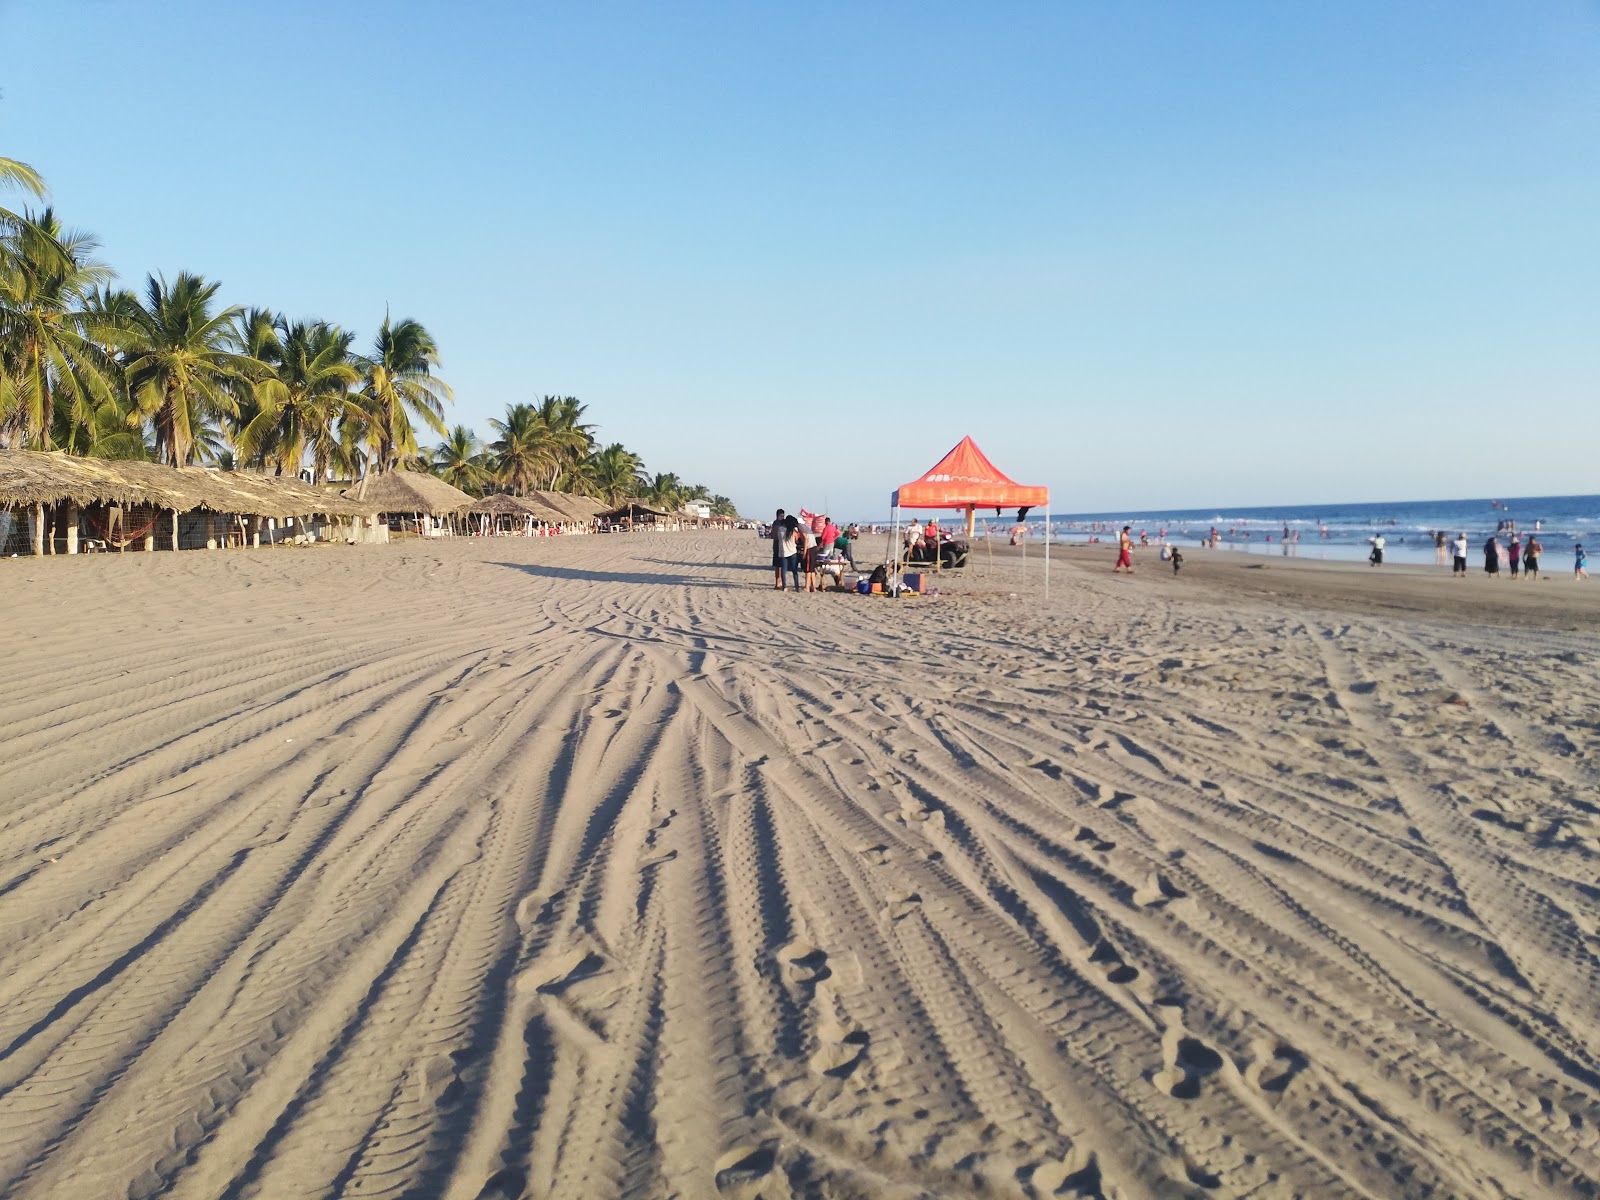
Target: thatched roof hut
{"type": "Point", "coordinates": [500, 505]}
{"type": "Point", "coordinates": [409, 492]}
{"type": "Point", "coordinates": [574, 509]}
{"type": "Point", "coordinates": [29, 478]}
{"type": "Point", "coordinates": [634, 512]}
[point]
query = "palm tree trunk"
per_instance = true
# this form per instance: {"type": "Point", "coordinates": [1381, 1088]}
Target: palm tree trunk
{"type": "Point", "coordinates": [36, 529]}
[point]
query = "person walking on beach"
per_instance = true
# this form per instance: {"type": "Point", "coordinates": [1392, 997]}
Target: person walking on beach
{"type": "Point", "coordinates": [1376, 557]}
{"type": "Point", "coordinates": [1177, 560]}
{"type": "Point", "coordinates": [1458, 549]}
{"type": "Point", "coordinates": [1514, 555]}
{"type": "Point", "coordinates": [1491, 556]}
{"type": "Point", "coordinates": [1438, 547]}
{"type": "Point", "coordinates": [1530, 557]}
{"type": "Point", "coordinates": [1124, 550]}
{"type": "Point", "coordinates": [1580, 562]}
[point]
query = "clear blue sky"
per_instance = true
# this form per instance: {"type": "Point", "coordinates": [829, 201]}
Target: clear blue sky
{"type": "Point", "coordinates": [1149, 254]}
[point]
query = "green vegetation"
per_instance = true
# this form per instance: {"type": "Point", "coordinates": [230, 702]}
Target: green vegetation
{"type": "Point", "coordinates": [171, 375]}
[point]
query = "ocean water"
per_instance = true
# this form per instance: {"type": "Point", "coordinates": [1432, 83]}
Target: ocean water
{"type": "Point", "coordinates": [1340, 531]}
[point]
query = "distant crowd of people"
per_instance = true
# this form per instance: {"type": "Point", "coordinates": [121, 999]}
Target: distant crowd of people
{"type": "Point", "coordinates": [1520, 558]}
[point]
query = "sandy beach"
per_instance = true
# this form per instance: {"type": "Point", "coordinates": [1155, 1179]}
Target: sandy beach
{"type": "Point", "coordinates": [592, 867]}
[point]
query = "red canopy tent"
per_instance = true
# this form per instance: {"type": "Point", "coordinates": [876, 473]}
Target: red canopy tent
{"type": "Point", "coordinates": [966, 479]}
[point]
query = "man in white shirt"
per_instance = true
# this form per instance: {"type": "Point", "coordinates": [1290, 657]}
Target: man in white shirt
{"type": "Point", "coordinates": [1458, 550]}
{"type": "Point", "coordinates": [913, 536]}
{"type": "Point", "coordinates": [1376, 558]}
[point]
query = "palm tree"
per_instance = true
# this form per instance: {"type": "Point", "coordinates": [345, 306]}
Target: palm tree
{"type": "Point", "coordinates": [568, 437]}
{"type": "Point", "coordinates": [258, 339]}
{"type": "Point", "coordinates": [47, 347]}
{"type": "Point", "coordinates": [399, 383]}
{"type": "Point", "coordinates": [19, 175]}
{"type": "Point", "coordinates": [304, 398]}
{"type": "Point", "coordinates": [181, 365]}
{"type": "Point", "coordinates": [666, 491]}
{"type": "Point", "coordinates": [617, 473]}
{"type": "Point", "coordinates": [458, 460]}
{"type": "Point", "coordinates": [524, 452]}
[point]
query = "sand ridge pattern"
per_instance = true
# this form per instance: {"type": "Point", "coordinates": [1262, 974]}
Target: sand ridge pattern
{"type": "Point", "coordinates": [592, 867]}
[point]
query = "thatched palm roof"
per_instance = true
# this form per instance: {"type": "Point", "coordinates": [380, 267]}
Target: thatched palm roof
{"type": "Point", "coordinates": [409, 492]}
{"type": "Point", "coordinates": [28, 477]}
{"type": "Point", "coordinates": [572, 508]}
{"type": "Point", "coordinates": [501, 505]}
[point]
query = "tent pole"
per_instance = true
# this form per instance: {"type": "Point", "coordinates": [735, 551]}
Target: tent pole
{"type": "Point", "coordinates": [1047, 544]}
{"type": "Point", "coordinates": [894, 535]}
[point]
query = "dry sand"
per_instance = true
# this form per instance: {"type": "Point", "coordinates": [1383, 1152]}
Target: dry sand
{"type": "Point", "coordinates": [593, 867]}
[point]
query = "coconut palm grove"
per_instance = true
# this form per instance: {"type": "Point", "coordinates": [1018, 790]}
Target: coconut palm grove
{"type": "Point", "coordinates": [167, 373]}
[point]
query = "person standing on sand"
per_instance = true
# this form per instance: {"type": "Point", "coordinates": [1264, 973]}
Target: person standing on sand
{"type": "Point", "coordinates": [1580, 562]}
{"type": "Point", "coordinates": [793, 543]}
{"type": "Point", "coordinates": [1438, 547]}
{"type": "Point", "coordinates": [1491, 556]}
{"type": "Point", "coordinates": [1458, 548]}
{"type": "Point", "coordinates": [830, 535]}
{"type": "Point", "coordinates": [806, 553]}
{"type": "Point", "coordinates": [1124, 550]}
{"type": "Point", "coordinates": [777, 550]}
{"type": "Point", "coordinates": [1376, 557]}
{"type": "Point", "coordinates": [1530, 556]}
{"type": "Point", "coordinates": [1515, 555]}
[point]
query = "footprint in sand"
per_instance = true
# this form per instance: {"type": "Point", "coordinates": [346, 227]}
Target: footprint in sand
{"type": "Point", "coordinates": [802, 962]}
{"type": "Point", "coordinates": [741, 1171]}
{"type": "Point", "coordinates": [1085, 834]}
{"type": "Point", "coordinates": [876, 854]}
{"type": "Point", "coordinates": [1157, 891]}
{"type": "Point", "coordinates": [899, 905]}
{"type": "Point", "coordinates": [1075, 1175]}
{"type": "Point", "coordinates": [530, 908]}
{"type": "Point", "coordinates": [841, 1050]}
{"type": "Point", "coordinates": [559, 975]}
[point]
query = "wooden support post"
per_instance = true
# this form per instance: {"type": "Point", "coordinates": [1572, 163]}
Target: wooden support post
{"type": "Point", "coordinates": [211, 531]}
{"type": "Point", "coordinates": [174, 529]}
{"type": "Point", "coordinates": [72, 528]}
{"type": "Point", "coordinates": [36, 529]}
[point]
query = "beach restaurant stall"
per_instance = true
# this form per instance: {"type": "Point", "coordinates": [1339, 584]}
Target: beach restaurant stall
{"type": "Point", "coordinates": [55, 503]}
{"type": "Point", "coordinates": [965, 479]}
{"type": "Point", "coordinates": [425, 501]}
{"type": "Point", "coordinates": [521, 515]}
{"type": "Point", "coordinates": [631, 514]}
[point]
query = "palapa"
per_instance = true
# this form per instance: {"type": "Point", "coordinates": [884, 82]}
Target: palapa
{"type": "Point", "coordinates": [409, 492]}
{"type": "Point", "coordinates": [28, 477]}
{"type": "Point", "coordinates": [577, 510]}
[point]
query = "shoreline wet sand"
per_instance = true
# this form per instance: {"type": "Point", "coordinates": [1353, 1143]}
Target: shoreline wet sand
{"type": "Point", "coordinates": [593, 867]}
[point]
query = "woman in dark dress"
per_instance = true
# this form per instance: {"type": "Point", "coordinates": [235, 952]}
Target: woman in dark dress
{"type": "Point", "coordinates": [1491, 555]}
